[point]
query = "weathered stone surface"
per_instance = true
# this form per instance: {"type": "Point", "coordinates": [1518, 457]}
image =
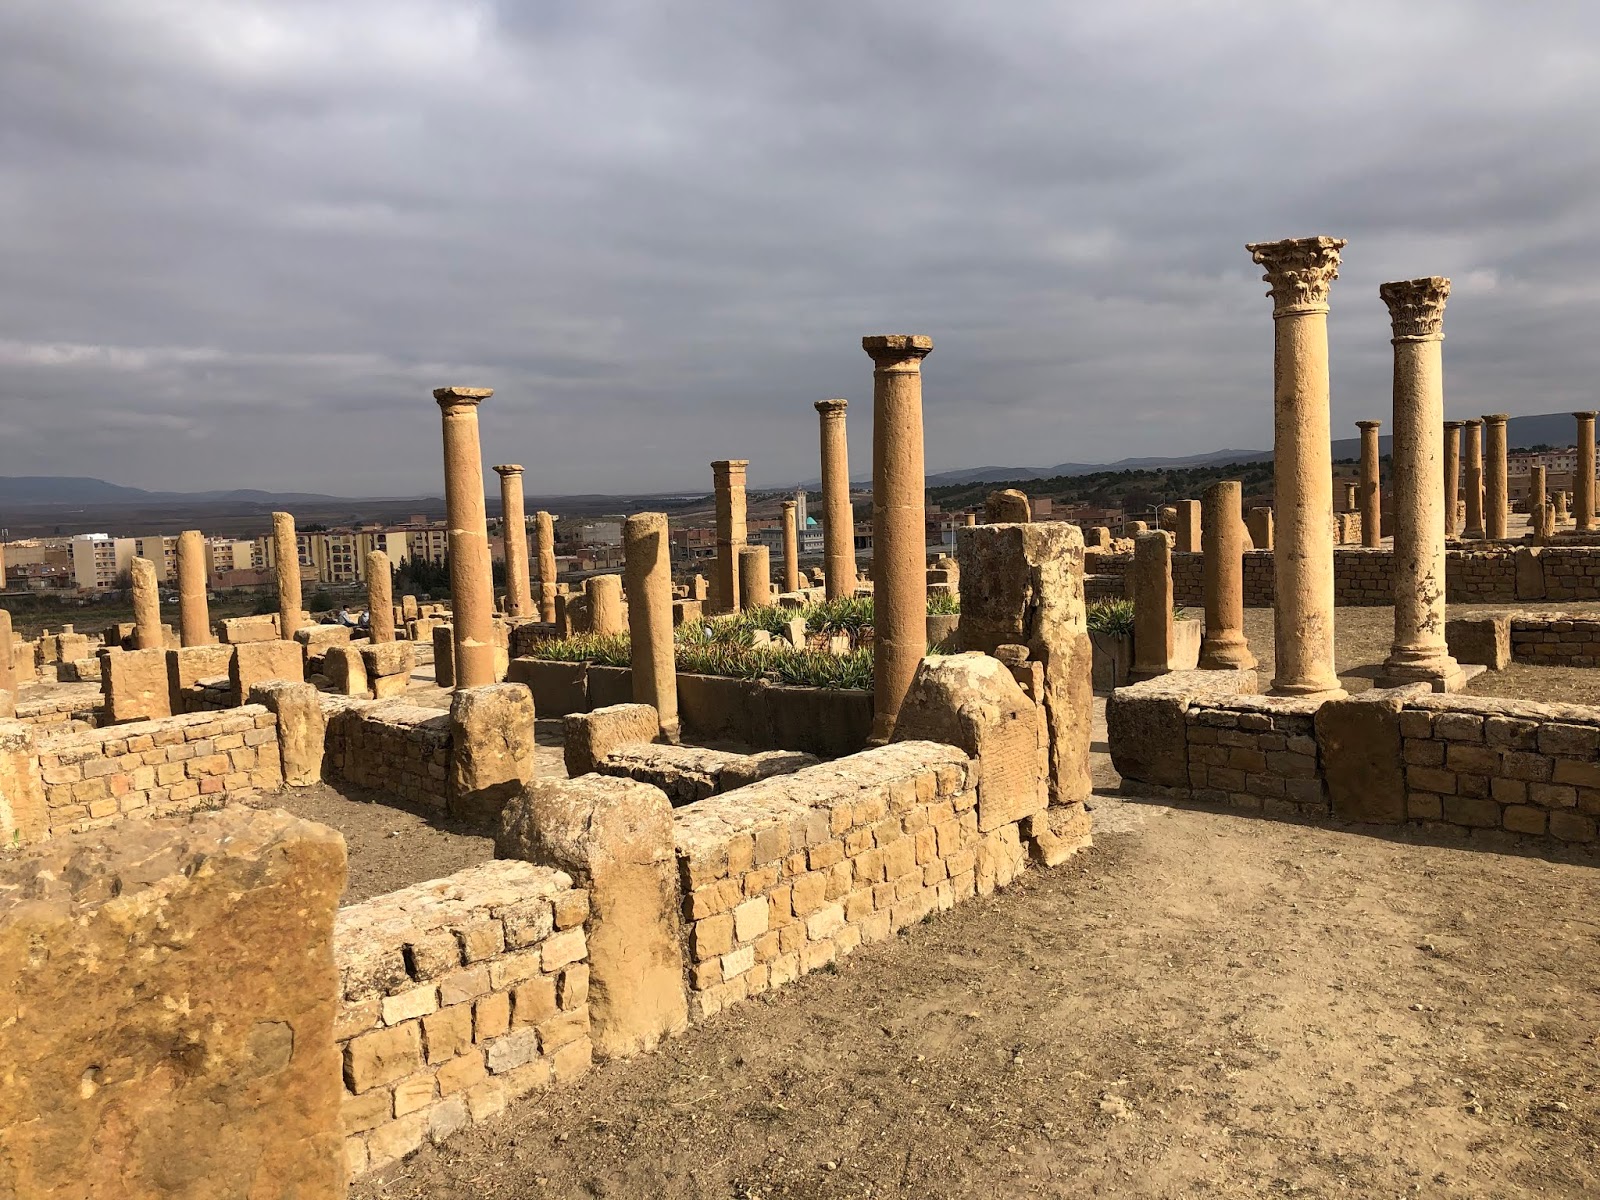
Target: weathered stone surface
{"type": "Point", "coordinates": [593, 735]}
{"type": "Point", "coordinates": [491, 749]}
{"type": "Point", "coordinates": [135, 685]}
{"type": "Point", "coordinates": [1480, 640]}
{"type": "Point", "coordinates": [1008, 506]}
{"type": "Point", "coordinates": [388, 667]}
{"type": "Point", "coordinates": [1359, 739]}
{"type": "Point", "coordinates": [345, 671]}
{"type": "Point", "coordinates": [257, 662]}
{"type": "Point", "coordinates": [23, 817]}
{"type": "Point", "coordinates": [203, 1066]}
{"type": "Point", "coordinates": [237, 630]}
{"type": "Point", "coordinates": [1530, 573]}
{"type": "Point", "coordinates": [444, 656]}
{"type": "Point", "coordinates": [614, 837]}
{"type": "Point", "coordinates": [188, 665]}
{"type": "Point", "coordinates": [317, 638]}
{"type": "Point", "coordinates": [302, 728]}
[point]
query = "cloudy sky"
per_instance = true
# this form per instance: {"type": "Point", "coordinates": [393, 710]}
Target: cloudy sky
{"type": "Point", "coordinates": [244, 239]}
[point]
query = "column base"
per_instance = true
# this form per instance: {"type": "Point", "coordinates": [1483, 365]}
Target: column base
{"type": "Point", "coordinates": [1441, 677]}
{"type": "Point", "coordinates": [1473, 533]}
{"type": "Point", "coordinates": [1312, 690]}
{"type": "Point", "coordinates": [1226, 655]}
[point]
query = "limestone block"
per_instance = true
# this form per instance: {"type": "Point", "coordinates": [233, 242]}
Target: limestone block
{"type": "Point", "coordinates": [1057, 833]}
{"type": "Point", "coordinates": [345, 671]}
{"type": "Point", "coordinates": [204, 1065]}
{"type": "Point", "coordinates": [23, 817]}
{"type": "Point", "coordinates": [388, 667]}
{"type": "Point", "coordinates": [1358, 738]}
{"type": "Point", "coordinates": [408, 608]}
{"type": "Point", "coordinates": [1530, 573]}
{"type": "Point", "coordinates": [257, 662]}
{"type": "Point", "coordinates": [687, 612]}
{"type": "Point", "coordinates": [614, 837]}
{"type": "Point", "coordinates": [444, 656]}
{"type": "Point", "coordinates": [491, 749]}
{"type": "Point", "coordinates": [1006, 506]}
{"type": "Point", "coordinates": [317, 638]}
{"type": "Point", "coordinates": [238, 630]}
{"type": "Point", "coordinates": [590, 736]}
{"type": "Point", "coordinates": [134, 683]}
{"type": "Point", "coordinates": [1480, 640]}
{"type": "Point", "coordinates": [302, 728]}
{"type": "Point", "coordinates": [187, 665]}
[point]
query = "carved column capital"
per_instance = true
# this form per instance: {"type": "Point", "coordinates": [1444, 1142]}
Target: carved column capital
{"type": "Point", "coordinates": [1416, 307]}
{"type": "Point", "coordinates": [1299, 271]}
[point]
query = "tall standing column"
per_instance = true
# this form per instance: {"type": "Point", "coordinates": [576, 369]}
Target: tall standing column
{"type": "Point", "coordinates": [380, 597]}
{"type": "Point", "coordinates": [647, 571]}
{"type": "Point", "coordinates": [839, 528]}
{"type": "Point", "coordinates": [514, 531]}
{"type": "Point", "coordinates": [1419, 653]}
{"type": "Point", "coordinates": [194, 618]}
{"type": "Point", "coordinates": [1222, 538]}
{"type": "Point", "coordinates": [1474, 483]}
{"type": "Point", "coordinates": [1152, 605]}
{"type": "Point", "coordinates": [471, 578]}
{"type": "Point", "coordinates": [544, 532]}
{"type": "Point", "coordinates": [1538, 496]}
{"type": "Point", "coordinates": [791, 547]}
{"type": "Point", "coordinates": [728, 475]}
{"type": "Point", "coordinates": [286, 567]}
{"type": "Point", "coordinates": [899, 522]}
{"type": "Point", "coordinates": [1452, 476]}
{"type": "Point", "coordinates": [146, 606]}
{"type": "Point", "coordinates": [1370, 491]}
{"type": "Point", "coordinates": [1583, 474]}
{"type": "Point", "coordinates": [1300, 272]}
{"type": "Point", "coordinates": [1494, 477]}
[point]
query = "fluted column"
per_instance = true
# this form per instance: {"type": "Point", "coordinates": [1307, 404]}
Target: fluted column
{"type": "Point", "coordinates": [839, 523]}
{"type": "Point", "coordinates": [1300, 272]}
{"type": "Point", "coordinates": [899, 517]}
{"type": "Point", "coordinates": [1370, 490]}
{"type": "Point", "coordinates": [728, 475]}
{"type": "Point", "coordinates": [1222, 539]}
{"type": "Point", "coordinates": [1494, 477]}
{"type": "Point", "coordinates": [514, 531]}
{"type": "Point", "coordinates": [647, 570]}
{"type": "Point", "coordinates": [286, 550]}
{"type": "Point", "coordinates": [1452, 476]}
{"type": "Point", "coordinates": [471, 579]}
{"type": "Point", "coordinates": [544, 527]}
{"type": "Point", "coordinates": [1583, 474]}
{"type": "Point", "coordinates": [1419, 653]}
{"type": "Point", "coordinates": [791, 547]}
{"type": "Point", "coordinates": [146, 606]}
{"type": "Point", "coordinates": [380, 596]}
{"type": "Point", "coordinates": [1474, 481]}
{"type": "Point", "coordinates": [194, 616]}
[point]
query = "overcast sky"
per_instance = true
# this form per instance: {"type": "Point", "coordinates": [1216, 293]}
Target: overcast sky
{"type": "Point", "coordinates": [244, 239]}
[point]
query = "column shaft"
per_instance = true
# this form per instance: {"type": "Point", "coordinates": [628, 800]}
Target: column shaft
{"type": "Point", "coordinates": [380, 596]}
{"type": "Point", "coordinates": [146, 606]}
{"type": "Point", "coordinates": [1583, 474]}
{"type": "Point", "coordinates": [1494, 476]}
{"type": "Point", "coordinates": [1474, 480]}
{"type": "Point", "coordinates": [791, 547]}
{"type": "Point", "coordinates": [514, 533]}
{"type": "Point", "coordinates": [1370, 490]}
{"type": "Point", "coordinates": [728, 475]}
{"type": "Point", "coordinates": [839, 527]}
{"type": "Point", "coordinates": [545, 534]}
{"type": "Point", "coordinates": [286, 550]}
{"type": "Point", "coordinates": [471, 578]}
{"type": "Point", "coordinates": [1222, 537]}
{"type": "Point", "coordinates": [647, 568]}
{"type": "Point", "coordinates": [755, 577]}
{"type": "Point", "coordinates": [1152, 605]}
{"type": "Point", "coordinates": [1452, 476]}
{"type": "Point", "coordinates": [194, 617]}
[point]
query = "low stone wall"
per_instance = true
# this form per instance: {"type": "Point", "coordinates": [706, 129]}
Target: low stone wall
{"type": "Point", "coordinates": [62, 706]}
{"type": "Point", "coordinates": [389, 746]}
{"type": "Point", "coordinates": [456, 997]}
{"type": "Point", "coordinates": [207, 695]}
{"type": "Point", "coordinates": [1555, 640]}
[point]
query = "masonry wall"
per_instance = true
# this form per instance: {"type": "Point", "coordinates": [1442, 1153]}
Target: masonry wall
{"type": "Point", "coordinates": [61, 706]}
{"type": "Point", "coordinates": [456, 997]}
{"type": "Point", "coordinates": [1556, 640]}
{"type": "Point", "coordinates": [390, 746]}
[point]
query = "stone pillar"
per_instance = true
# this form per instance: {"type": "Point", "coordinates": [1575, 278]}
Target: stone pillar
{"type": "Point", "coordinates": [1300, 272]}
{"type": "Point", "coordinates": [791, 547]}
{"type": "Point", "coordinates": [969, 519]}
{"type": "Point", "coordinates": [1259, 523]}
{"type": "Point", "coordinates": [755, 576]}
{"type": "Point", "coordinates": [1538, 492]}
{"type": "Point", "coordinates": [286, 551]}
{"type": "Point", "coordinates": [1370, 491]}
{"type": "Point", "coordinates": [545, 534]}
{"type": "Point", "coordinates": [899, 518]}
{"type": "Point", "coordinates": [514, 531]}
{"type": "Point", "coordinates": [1222, 529]}
{"type": "Point", "coordinates": [1419, 654]}
{"type": "Point", "coordinates": [1152, 605]}
{"type": "Point", "coordinates": [1474, 479]}
{"type": "Point", "coordinates": [1583, 474]}
{"type": "Point", "coordinates": [1563, 508]}
{"type": "Point", "coordinates": [380, 596]}
{"type": "Point", "coordinates": [8, 666]}
{"type": "Point", "coordinates": [1351, 504]}
{"type": "Point", "coordinates": [1190, 527]}
{"type": "Point", "coordinates": [146, 607]}
{"type": "Point", "coordinates": [1008, 506]}
{"type": "Point", "coordinates": [728, 476]}
{"type": "Point", "coordinates": [1452, 476]}
{"type": "Point", "coordinates": [647, 566]}
{"type": "Point", "coordinates": [194, 619]}
{"type": "Point", "coordinates": [471, 579]}
{"type": "Point", "coordinates": [605, 605]}
{"type": "Point", "coordinates": [1494, 476]}
{"type": "Point", "coordinates": [839, 528]}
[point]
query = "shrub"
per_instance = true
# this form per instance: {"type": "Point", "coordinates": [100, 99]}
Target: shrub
{"type": "Point", "coordinates": [1110, 616]}
{"type": "Point", "coordinates": [943, 603]}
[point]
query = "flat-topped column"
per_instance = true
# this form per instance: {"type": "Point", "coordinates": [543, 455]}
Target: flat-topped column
{"type": "Point", "coordinates": [728, 475]}
{"type": "Point", "coordinates": [1474, 483]}
{"type": "Point", "coordinates": [1452, 476]}
{"type": "Point", "coordinates": [899, 516]}
{"type": "Point", "coordinates": [839, 522]}
{"type": "Point", "coordinates": [471, 578]}
{"type": "Point", "coordinates": [286, 569]}
{"type": "Point", "coordinates": [1419, 653]}
{"type": "Point", "coordinates": [647, 569]}
{"type": "Point", "coordinates": [791, 547]}
{"type": "Point", "coordinates": [604, 593]}
{"type": "Point", "coordinates": [514, 532]}
{"type": "Point", "coordinates": [1259, 525]}
{"type": "Point", "coordinates": [544, 532]}
{"type": "Point", "coordinates": [146, 606]}
{"type": "Point", "coordinates": [1300, 272]}
{"type": "Point", "coordinates": [1538, 494]}
{"type": "Point", "coordinates": [1152, 605]}
{"type": "Point", "coordinates": [1583, 474]}
{"type": "Point", "coordinates": [380, 596]}
{"type": "Point", "coordinates": [1222, 536]}
{"type": "Point", "coordinates": [1369, 491]}
{"type": "Point", "coordinates": [1494, 475]}
{"type": "Point", "coordinates": [1191, 521]}
{"type": "Point", "coordinates": [755, 577]}
{"type": "Point", "coordinates": [194, 616]}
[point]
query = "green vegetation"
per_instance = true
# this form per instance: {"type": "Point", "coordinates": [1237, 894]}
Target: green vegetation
{"type": "Point", "coordinates": [1133, 490]}
{"type": "Point", "coordinates": [1111, 616]}
{"type": "Point", "coordinates": [943, 603]}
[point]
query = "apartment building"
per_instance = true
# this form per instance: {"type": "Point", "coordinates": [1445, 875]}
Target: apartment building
{"type": "Point", "coordinates": [99, 561]}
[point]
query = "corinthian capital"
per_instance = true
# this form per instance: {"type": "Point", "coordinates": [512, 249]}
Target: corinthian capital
{"type": "Point", "coordinates": [1416, 307]}
{"type": "Point", "coordinates": [1300, 272]}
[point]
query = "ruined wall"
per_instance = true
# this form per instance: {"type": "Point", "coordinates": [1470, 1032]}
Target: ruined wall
{"type": "Point", "coordinates": [391, 747]}
{"type": "Point", "coordinates": [456, 997]}
{"type": "Point", "coordinates": [1256, 754]}
{"type": "Point", "coordinates": [61, 706]}
{"type": "Point", "coordinates": [1556, 640]}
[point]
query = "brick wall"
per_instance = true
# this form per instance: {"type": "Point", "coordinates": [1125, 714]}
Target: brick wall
{"type": "Point", "coordinates": [207, 695]}
{"type": "Point", "coordinates": [1556, 640]}
{"type": "Point", "coordinates": [1256, 754]}
{"type": "Point", "coordinates": [389, 746]}
{"type": "Point", "coordinates": [61, 706]}
{"type": "Point", "coordinates": [457, 996]}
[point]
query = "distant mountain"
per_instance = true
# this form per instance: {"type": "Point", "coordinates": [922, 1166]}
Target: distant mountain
{"type": "Point", "coordinates": [1002, 474]}
{"type": "Point", "coordinates": [76, 491]}
{"type": "Point", "coordinates": [1541, 429]}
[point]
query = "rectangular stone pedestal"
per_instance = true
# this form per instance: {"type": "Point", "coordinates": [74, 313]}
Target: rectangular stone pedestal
{"type": "Point", "coordinates": [1465, 673]}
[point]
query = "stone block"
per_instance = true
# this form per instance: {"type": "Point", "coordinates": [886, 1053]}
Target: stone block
{"type": "Point", "coordinates": [258, 662]}
{"type": "Point", "coordinates": [302, 728]}
{"type": "Point", "coordinates": [134, 683]}
{"type": "Point", "coordinates": [1484, 641]}
{"type": "Point", "coordinates": [315, 639]}
{"type": "Point", "coordinates": [1530, 574]}
{"type": "Point", "coordinates": [491, 749]}
{"type": "Point", "coordinates": [444, 655]}
{"type": "Point", "coordinates": [187, 665]}
{"type": "Point", "coordinates": [23, 816]}
{"type": "Point", "coordinates": [235, 631]}
{"type": "Point", "coordinates": [591, 736]}
{"type": "Point", "coordinates": [388, 667]}
{"type": "Point", "coordinates": [1359, 740]}
{"type": "Point", "coordinates": [345, 671]}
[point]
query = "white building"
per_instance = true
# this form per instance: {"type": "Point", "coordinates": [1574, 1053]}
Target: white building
{"type": "Point", "coordinates": [99, 560]}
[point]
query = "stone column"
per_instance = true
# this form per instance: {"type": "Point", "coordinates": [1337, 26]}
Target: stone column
{"type": "Point", "coordinates": [1222, 534]}
{"type": "Point", "coordinates": [471, 579]}
{"type": "Point", "coordinates": [1474, 485]}
{"type": "Point", "coordinates": [1190, 526]}
{"type": "Point", "coordinates": [1537, 492]}
{"type": "Point", "coordinates": [728, 476]}
{"type": "Point", "coordinates": [545, 534]}
{"type": "Point", "coordinates": [1152, 605]}
{"type": "Point", "coordinates": [380, 596]}
{"type": "Point", "coordinates": [1583, 474]}
{"type": "Point", "coordinates": [899, 516]}
{"type": "Point", "coordinates": [1419, 654]}
{"type": "Point", "coordinates": [1351, 503]}
{"type": "Point", "coordinates": [1259, 523]}
{"type": "Point", "coordinates": [514, 530]}
{"type": "Point", "coordinates": [839, 526]}
{"type": "Point", "coordinates": [791, 547]}
{"type": "Point", "coordinates": [1452, 476]}
{"type": "Point", "coordinates": [1494, 476]}
{"type": "Point", "coordinates": [605, 604]}
{"type": "Point", "coordinates": [755, 577]}
{"type": "Point", "coordinates": [194, 619]}
{"type": "Point", "coordinates": [1369, 490]}
{"type": "Point", "coordinates": [286, 550]}
{"type": "Point", "coordinates": [647, 567]}
{"type": "Point", "coordinates": [146, 606]}
{"type": "Point", "coordinates": [1300, 272]}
